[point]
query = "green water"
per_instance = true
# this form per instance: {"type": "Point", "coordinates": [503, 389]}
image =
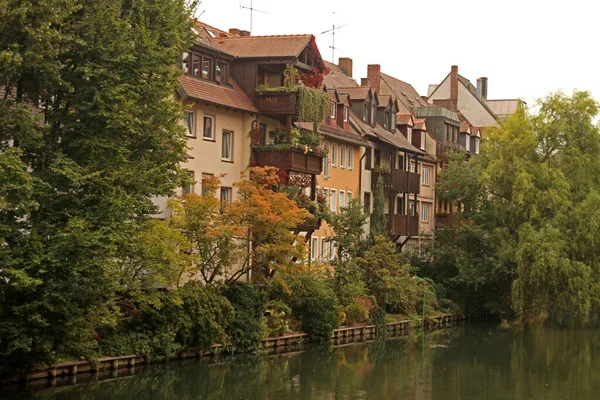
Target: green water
{"type": "Point", "coordinates": [470, 362]}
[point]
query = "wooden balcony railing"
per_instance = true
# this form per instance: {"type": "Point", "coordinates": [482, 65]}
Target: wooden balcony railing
{"type": "Point", "coordinates": [398, 180]}
{"type": "Point", "coordinates": [289, 159]}
{"type": "Point", "coordinates": [276, 103]}
{"type": "Point", "coordinates": [443, 219]}
{"type": "Point", "coordinates": [402, 225]}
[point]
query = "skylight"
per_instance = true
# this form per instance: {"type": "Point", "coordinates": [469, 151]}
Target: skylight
{"type": "Point", "coordinates": [211, 33]}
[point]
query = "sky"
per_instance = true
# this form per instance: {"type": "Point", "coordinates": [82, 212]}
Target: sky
{"type": "Point", "coordinates": [526, 48]}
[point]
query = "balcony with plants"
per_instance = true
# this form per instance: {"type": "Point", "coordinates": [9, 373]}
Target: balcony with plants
{"type": "Point", "coordinates": [396, 180]}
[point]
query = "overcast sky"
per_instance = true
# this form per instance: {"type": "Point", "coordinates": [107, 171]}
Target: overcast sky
{"type": "Point", "coordinates": [526, 48]}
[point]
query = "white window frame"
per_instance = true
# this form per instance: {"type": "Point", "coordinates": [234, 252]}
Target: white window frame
{"type": "Point", "coordinates": [333, 200]}
{"type": "Point", "coordinates": [350, 158]}
{"type": "Point", "coordinates": [424, 212]}
{"type": "Point", "coordinates": [409, 134]}
{"type": "Point", "coordinates": [332, 250]}
{"type": "Point", "coordinates": [333, 110]}
{"type": "Point", "coordinates": [476, 145]}
{"type": "Point", "coordinates": [468, 143]}
{"type": "Point", "coordinates": [226, 189]}
{"type": "Point", "coordinates": [423, 141]}
{"type": "Point", "coordinates": [326, 161]}
{"type": "Point", "coordinates": [323, 249]}
{"type": "Point", "coordinates": [326, 195]}
{"type": "Point", "coordinates": [334, 155]}
{"type": "Point", "coordinates": [212, 127]}
{"type": "Point", "coordinates": [314, 249]}
{"type": "Point", "coordinates": [342, 199]}
{"type": "Point", "coordinates": [346, 112]}
{"type": "Point", "coordinates": [343, 157]}
{"type": "Point", "coordinates": [190, 130]}
{"type": "Point", "coordinates": [223, 157]}
{"type": "Point", "coordinates": [411, 209]}
{"type": "Point", "coordinates": [190, 188]}
{"type": "Point", "coordinates": [425, 172]}
{"type": "Point", "coordinates": [412, 168]}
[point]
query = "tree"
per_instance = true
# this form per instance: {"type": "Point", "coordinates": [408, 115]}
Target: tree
{"type": "Point", "coordinates": [86, 100]}
{"type": "Point", "coordinates": [378, 220]}
{"type": "Point", "coordinates": [348, 229]}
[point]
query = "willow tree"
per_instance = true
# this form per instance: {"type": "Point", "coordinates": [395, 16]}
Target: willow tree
{"type": "Point", "coordinates": [89, 132]}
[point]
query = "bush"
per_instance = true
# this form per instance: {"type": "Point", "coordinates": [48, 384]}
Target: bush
{"type": "Point", "coordinates": [356, 313]}
{"type": "Point", "coordinates": [277, 320]}
{"type": "Point", "coordinates": [312, 301]}
{"type": "Point", "coordinates": [248, 326]}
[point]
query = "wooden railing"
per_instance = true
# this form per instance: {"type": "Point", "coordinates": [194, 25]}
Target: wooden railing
{"type": "Point", "coordinates": [402, 225]}
{"type": "Point", "coordinates": [398, 180]}
{"type": "Point", "coordinates": [276, 103]}
{"type": "Point", "coordinates": [289, 159]}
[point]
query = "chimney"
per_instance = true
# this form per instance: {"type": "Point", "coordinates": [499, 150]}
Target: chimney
{"type": "Point", "coordinates": [374, 76]}
{"type": "Point", "coordinates": [454, 86]}
{"type": "Point", "coordinates": [234, 31]}
{"type": "Point", "coordinates": [244, 33]}
{"type": "Point", "coordinates": [484, 88]}
{"type": "Point", "coordinates": [365, 82]}
{"type": "Point", "coordinates": [346, 65]}
{"type": "Point", "coordinates": [479, 88]}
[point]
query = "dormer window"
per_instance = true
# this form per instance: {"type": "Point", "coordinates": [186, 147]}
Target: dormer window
{"type": "Point", "coordinates": [207, 68]}
{"type": "Point", "coordinates": [197, 65]}
{"type": "Point", "coordinates": [333, 110]}
{"type": "Point", "coordinates": [346, 111]}
{"type": "Point", "coordinates": [409, 134]}
{"type": "Point", "coordinates": [373, 112]}
{"type": "Point", "coordinates": [185, 62]}
{"type": "Point", "coordinates": [393, 122]}
{"type": "Point", "coordinates": [468, 143]}
{"type": "Point", "coordinates": [365, 111]}
{"type": "Point", "coordinates": [386, 119]}
{"type": "Point", "coordinates": [423, 143]}
{"type": "Point", "coordinates": [476, 145]}
{"type": "Point", "coordinates": [222, 72]}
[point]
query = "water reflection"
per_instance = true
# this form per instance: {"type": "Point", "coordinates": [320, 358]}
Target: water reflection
{"type": "Point", "coordinates": [472, 362]}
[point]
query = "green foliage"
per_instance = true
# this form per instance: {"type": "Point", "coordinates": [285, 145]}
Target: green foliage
{"type": "Point", "coordinates": [378, 220]}
{"type": "Point", "coordinates": [356, 313]}
{"type": "Point", "coordinates": [312, 301]}
{"type": "Point", "coordinates": [378, 318]}
{"type": "Point", "coordinates": [278, 317]}
{"type": "Point", "coordinates": [309, 138]}
{"type": "Point", "coordinates": [348, 229]}
{"type": "Point", "coordinates": [247, 329]}
{"type": "Point", "coordinates": [313, 104]}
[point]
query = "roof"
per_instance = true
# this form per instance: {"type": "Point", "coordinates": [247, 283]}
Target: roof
{"type": "Point", "coordinates": [233, 97]}
{"type": "Point", "coordinates": [465, 127]}
{"type": "Point", "coordinates": [263, 46]}
{"type": "Point", "coordinates": [503, 107]}
{"type": "Point", "coordinates": [355, 93]}
{"type": "Point", "coordinates": [420, 124]}
{"type": "Point", "coordinates": [434, 111]}
{"type": "Point", "coordinates": [384, 100]}
{"type": "Point", "coordinates": [337, 77]}
{"type": "Point", "coordinates": [406, 94]}
{"type": "Point", "coordinates": [335, 133]}
{"type": "Point", "coordinates": [404, 119]}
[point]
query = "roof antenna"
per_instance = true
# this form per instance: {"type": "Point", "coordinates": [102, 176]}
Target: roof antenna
{"type": "Point", "coordinates": [333, 31]}
{"type": "Point", "coordinates": [252, 10]}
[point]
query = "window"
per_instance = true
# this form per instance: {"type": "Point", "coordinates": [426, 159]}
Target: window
{"type": "Point", "coordinates": [412, 168]}
{"type": "Point", "coordinates": [189, 188]}
{"type": "Point", "coordinates": [350, 158]}
{"type": "Point", "coordinates": [425, 175]}
{"type": "Point", "coordinates": [190, 123]}
{"type": "Point", "coordinates": [342, 156]}
{"type": "Point", "coordinates": [226, 195]}
{"type": "Point", "coordinates": [196, 60]}
{"type": "Point", "coordinates": [205, 187]}
{"type": "Point", "coordinates": [393, 122]}
{"type": "Point", "coordinates": [210, 32]}
{"type": "Point", "coordinates": [345, 114]}
{"type": "Point", "coordinates": [367, 203]}
{"type": "Point", "coordinates": [332, 250]}
{"type": "Point", "coordinates": [425, 212]}
{"type": "Point", "coordinates": [373, 112]}
{"type": "Point", "coordinates": [476, 145]}
{"type": "Point", "coordinates": [400, 162]}
{"type": "Point", "coordinates": [206, 68]}
{"type": "Point", "coordinates": [314, 248]}
{"type": "Point", "coordinates": [324, 252]}
{"type": "Point", "coordinates": [386, 119]}
{"type": "Point", "coordinates": [409, 134]}
{"type": "Point", "coordinates": [365, 111]}
{"type": "Point", "coordinates": [411, 208]}
{"type": "Point", "coordinates": [342, 199]}
{"type": "Point", "coordinates": [333, 201]}
{"type": "Point", "coordinates": [227, 146]}
{"type": "Point", "coordinates": [334, 155]}
{"type": "Point", "coordinates": [262, 128]}
{"type": "Point", "coordinates": [468, 143]}
{"type": "Point", "coordinates": [326, 195]}
{"type": "Point", "coordinates": [368, 160]}
{"type": "Point", "coordinates": [423, 143]}
{"type": "Point", "coordinates": [222, 74]}
{"type": "Point", "coordinates": [333, 109]}
{"type": "Point", "coordinates": [378, 157]}
{"type": "Point", "coordinates": [326, 162]}
{"type": "Point", "coordinates": [400, 206]}
{"type": "Point", "coordinates": [185, 62]}
{"type": "Point", "coordinates": [390, 205]}
{"type": "Point", "coordinates": [209, 123]}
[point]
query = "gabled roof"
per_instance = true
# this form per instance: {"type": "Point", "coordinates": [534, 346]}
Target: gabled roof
{"type": "Point", "coordinates": [336, 133]}
{"type": "Point", "coordinates": [420, 124]}
{"type": "Point", "coordinates": [285, 46]}
{"type": "Point", "coordinates": [465, 127]}
{"type": "Point", "coordinates": [384, 100]}
{"type": "Point", "coordinates": [404, 119]}
{"type": "Point", "coordinates": [503, 107]}
{"type": "Point", "coordinates": [405, 93]}
{"type": "Point", "coordinates": [356, 93]}
{"type": "Point", "coordinates": [337, 78]}
{"type": "Point", "coordinates": [200, 90]}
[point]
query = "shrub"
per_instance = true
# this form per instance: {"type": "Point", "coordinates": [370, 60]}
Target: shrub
{"type": "Point", "coordinates": [248, 326]}
{"type": "Point", "coordinates": [277, 320]}
{"type": "Point", "coordinates": [356, 313]}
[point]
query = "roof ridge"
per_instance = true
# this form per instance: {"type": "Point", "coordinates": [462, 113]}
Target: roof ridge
{"type": "Point", "coordinates": [268, 36]}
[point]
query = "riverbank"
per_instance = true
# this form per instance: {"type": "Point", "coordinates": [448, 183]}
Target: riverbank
{"type": "Point", "coordinates": [108, 367]}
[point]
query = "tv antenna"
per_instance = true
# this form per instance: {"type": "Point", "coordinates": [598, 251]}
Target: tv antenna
{"type": "Point", "coordinates": [252, 10]}
{"type": "Point", "coordinates": [333, 31]}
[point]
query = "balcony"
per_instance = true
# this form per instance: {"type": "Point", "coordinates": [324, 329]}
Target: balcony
{"type": "Point", "coordinates": [398, 180]}
{"type": "Point", "coordinates": [288, 159]}
{"type": "Point", "coordinates": [276, 102]}
{"type": "Point", "coordinates": [402, 225]}
{"type": "Point", "coordinates": [442, 218]}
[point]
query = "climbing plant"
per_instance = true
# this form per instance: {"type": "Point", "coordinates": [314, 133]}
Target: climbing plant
{"type": "Point", "coordinates": [313, 105]}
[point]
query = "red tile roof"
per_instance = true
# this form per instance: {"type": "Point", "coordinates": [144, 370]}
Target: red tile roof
{"type": "Point", "coordinates": [209, 92]}
{"type": "Point", "coordinates": [338, 134]}
{"type": "Point", "coordinates": [263, 46]}
{"type": "Point", "coordinates": [420, 124]}
{"type": "Point", "coordinates": [355, 93]}
{"type": "Point", "coordinates": [404, 119]}
{"type": "Point", "coordinates": [337, 78]}
{"type": "Point", "coordinates": [405, 93]}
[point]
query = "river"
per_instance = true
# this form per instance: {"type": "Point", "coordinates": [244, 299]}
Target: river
{"type": "Point", "coordinates": [463, 363]}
